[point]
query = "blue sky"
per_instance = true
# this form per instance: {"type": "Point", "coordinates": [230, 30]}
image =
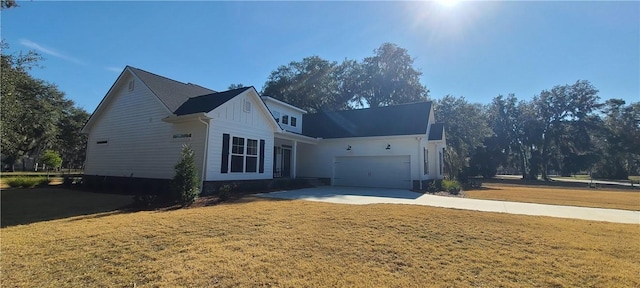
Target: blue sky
{"type": "Point", "coordinates": [472, 49]}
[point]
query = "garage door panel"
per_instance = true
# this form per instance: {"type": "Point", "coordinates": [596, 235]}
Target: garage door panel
{"type": "Point", "coordinates": [373, 171]}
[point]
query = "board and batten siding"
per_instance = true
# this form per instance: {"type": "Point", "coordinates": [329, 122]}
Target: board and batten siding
{"type": "Point", "coordinates": [231, 118]}
{"type": "Point", "coordinates": [139, 143]}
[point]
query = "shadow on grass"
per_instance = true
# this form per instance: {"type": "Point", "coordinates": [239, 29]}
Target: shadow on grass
{"type": "Point", "coordinates": [26, 206]}
{"type": "Point", "coordinates": [337, 191]}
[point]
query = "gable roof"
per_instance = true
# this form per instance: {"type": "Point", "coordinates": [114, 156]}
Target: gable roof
{"type": "Point", "coordinates": [437, 131]}
{"type": "Point", "coordinates": [405, 119]}
{"type": "Point", "coordinates": [206, 103]}
{"type": "Point", "coordinates": [171, 93]}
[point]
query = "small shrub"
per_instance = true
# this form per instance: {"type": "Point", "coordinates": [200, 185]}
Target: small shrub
{"type": "Point", "coordinates": [224, 192]}
{"type": "Point", "coordinates": [185, 184]}
{"type": "Point", "coordinates": [434, 185]}
{"type": "Point", "coordinates": [27, 182]}
{"type": "Point", "coordinates": [451, 186]}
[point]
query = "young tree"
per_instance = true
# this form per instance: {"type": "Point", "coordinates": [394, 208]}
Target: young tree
{"type": "Point", "coordinates": [185, 184]}
{"type": "Point", "coordinates": [51, 160]}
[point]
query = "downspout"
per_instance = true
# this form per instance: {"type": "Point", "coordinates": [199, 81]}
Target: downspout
{"type": "Point", "coordinates": [206, 149]}
{"type": "Point", "coordinates": [420, 163]}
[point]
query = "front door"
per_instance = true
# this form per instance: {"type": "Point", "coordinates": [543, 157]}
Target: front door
{"type": "Point", "coordinates": [286, 162]}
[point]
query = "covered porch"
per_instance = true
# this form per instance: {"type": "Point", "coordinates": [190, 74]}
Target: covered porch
{"type": "Point", "coordinates": [285, 153]}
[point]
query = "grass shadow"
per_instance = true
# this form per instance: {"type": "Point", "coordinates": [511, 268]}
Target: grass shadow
{"type": "Point", "coordinates": [31, 205]}
{"type": "Point", "coordinates": [337, 191]}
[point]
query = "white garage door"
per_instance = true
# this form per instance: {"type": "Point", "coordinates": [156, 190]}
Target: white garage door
{"type": "Point", "coordinates": [373, 171]}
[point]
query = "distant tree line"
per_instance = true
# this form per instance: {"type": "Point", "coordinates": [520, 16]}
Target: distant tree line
{"type": "Point", "coordinates": [36, 116]}
{"type": "Point", "coordinates": [564, 130]}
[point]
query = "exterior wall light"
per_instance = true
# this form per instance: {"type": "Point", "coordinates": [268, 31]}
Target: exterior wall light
{"type": "Point", "coordinates": [348, 147]}
{"type": "Point", "coordinates": [388, 147]}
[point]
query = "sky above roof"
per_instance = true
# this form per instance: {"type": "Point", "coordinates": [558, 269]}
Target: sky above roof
{"type": "Point", "coordinates": [473, 49]}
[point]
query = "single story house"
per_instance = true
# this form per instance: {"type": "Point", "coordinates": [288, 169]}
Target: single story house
{"type": "Point", "coordinates": [139, 127]}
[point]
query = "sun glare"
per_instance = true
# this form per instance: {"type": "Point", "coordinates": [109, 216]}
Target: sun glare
{"type": "Point", "coordinates": [448, 3]}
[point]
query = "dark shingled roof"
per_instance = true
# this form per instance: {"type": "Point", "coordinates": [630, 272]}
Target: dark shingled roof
{"type": "Point", "coordinates": [405, 119]}
{"type": "Point", "coordinates": [206, 103]}
{"type": "Point", "coordinates": [436, 132]}
{"type": "Point", "coordinates": [171, 92]}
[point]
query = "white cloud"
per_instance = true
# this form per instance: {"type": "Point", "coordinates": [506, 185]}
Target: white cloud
{"type": "Point", "coordinates": [114, 69]}
{"type": "Point", "coordinates": [49, 51]}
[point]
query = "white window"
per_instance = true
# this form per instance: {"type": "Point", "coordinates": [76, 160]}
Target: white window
{"type": "Point", "coordinates": [285, 119]}
{"type": "Point", "coordinates": [294, 121]}
{"type": "Point", "coordinates": [244, 158]}
{"type": "Point", "coordinates": [237, 155]}
{"type": "Point", "coordinates": [252, 156]}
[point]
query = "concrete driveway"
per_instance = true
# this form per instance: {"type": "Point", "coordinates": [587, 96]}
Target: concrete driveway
{"type": "Point", "coordinates": [360, 196]}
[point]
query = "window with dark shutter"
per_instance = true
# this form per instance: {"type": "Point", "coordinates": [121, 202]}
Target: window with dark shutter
{"type": "Point", "coordinates": [261, 168]}
{"type": "Point", "coordinates": [224, 168]}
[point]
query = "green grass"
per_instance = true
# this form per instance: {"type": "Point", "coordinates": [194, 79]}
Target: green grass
{"type": "Point", "coordinates": [25, 182]}
{"type": "Point", "coordinates": [256, 242]}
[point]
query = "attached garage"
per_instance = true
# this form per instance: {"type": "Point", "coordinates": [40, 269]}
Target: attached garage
{"type": "Point", "coordinates": [373, 171]}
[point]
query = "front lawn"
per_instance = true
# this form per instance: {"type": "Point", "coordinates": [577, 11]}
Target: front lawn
{"type": "Point", "coordinates": [257, 242]}
{"type": "Point", "coordinates": [598, 198]}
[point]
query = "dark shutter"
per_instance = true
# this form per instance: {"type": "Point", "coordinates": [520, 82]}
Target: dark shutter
{"type": "Point", "coordinates": [261, 168]}
{"type": "Point", "coordinates": [225, 154]}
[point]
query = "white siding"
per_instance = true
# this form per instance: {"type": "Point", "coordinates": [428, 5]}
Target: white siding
{"type": "Point", "coordinates": [139, 143]}
{"type": "Point", "coordinates": [279, 110]}
{"type": "Point", "coordinates": [317, 161]}
{"type": "Point", "coordinates": [230, 118]}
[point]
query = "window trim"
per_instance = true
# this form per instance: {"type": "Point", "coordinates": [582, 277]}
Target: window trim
{"type": "Point", "coordinates": [235, 154]}
{"type": "Point", "coordinates": [243, 151]}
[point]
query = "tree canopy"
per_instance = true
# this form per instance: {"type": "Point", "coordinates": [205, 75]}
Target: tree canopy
{"type": "Point", "coordinates": [36, 116]}
{"type": "Point", "coordinates": [316, 84]}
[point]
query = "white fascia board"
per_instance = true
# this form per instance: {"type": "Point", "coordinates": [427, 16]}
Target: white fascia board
{"type": "Point", "coordinates": [373, 138]}
{"type": "Point", "coordinates": [270, 99]}
{"type": "Point", "coordinates": [297, 137]}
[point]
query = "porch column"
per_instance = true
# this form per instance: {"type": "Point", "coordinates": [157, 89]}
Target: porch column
{"type": "Point", "coordinates": [294, 165]}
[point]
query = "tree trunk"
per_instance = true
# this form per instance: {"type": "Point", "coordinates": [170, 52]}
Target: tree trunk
{"type": "Point", "coordinates": [523, 163]}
